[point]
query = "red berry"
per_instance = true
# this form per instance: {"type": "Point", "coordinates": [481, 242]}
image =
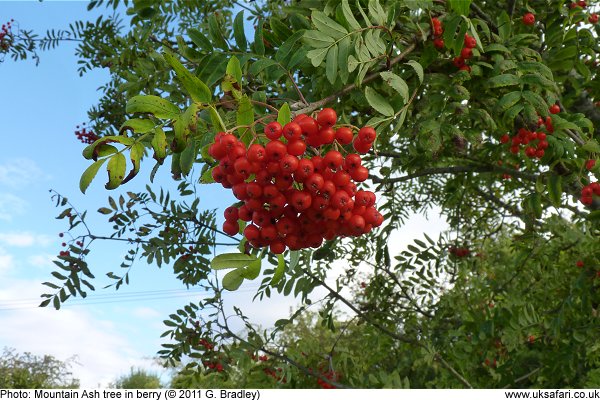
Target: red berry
{"type": "Point", "coordinates": [470, 42]}
{"type": "Point", "coordinates": [308, 125]}
{"type": "Point", "coordinates": [589, 164]}
{"type": "Point", "coordinates": [505, 138]}
{"type": "Point", "coordinates": [593, 18]}
{"type": "Point", "coordinates": [466, 53]}
{"type": "Point", "coordinates": [275, 150]}
{"type": "Point", "coordinates": [554, 109]}
{"type": "Point", "coordinates": [256, 153]}
{"type": "Point", "coordinates": [359, 174]}
{"type": "Point", "coordinates": [273, 130]}
{"type": "Point", "coordinates": [296, 147]}
{"type": "Point", "coordinates": [344, 135]}
{"type": "Point", "coordinates": [458, 62]}
{"type": "Point", "coordinates": [292, 131]}
{"type": "Point", "coordinates": [333, 159]}
{"type": "Point", "coordinates": [327, 135]}
{"type": "Point", "coordinates": [367, 134]}
{"type": "Point", "coordinates": [231, 228]}
{"type": "Point", "coordinates": [580, 264]}
{"type": "Point", "coordinates": [528, 19]}
{"type": "Point", "coordinates": [327, 117]}
{"type": "Point", "coordinates": [361, 147]}
{"type": "Point", "coordinates": [439, 43]}
{"type": "Point", "coordinates": [231, 213]}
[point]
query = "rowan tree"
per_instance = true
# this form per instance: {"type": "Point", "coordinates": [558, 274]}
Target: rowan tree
{"type": "Point", "coordinates": [484, 113]}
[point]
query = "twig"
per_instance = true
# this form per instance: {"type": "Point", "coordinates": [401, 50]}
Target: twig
{"type": "Point", "coordinates": [522, 378]}
{"type": "Point", "coordinates": [484, 16]}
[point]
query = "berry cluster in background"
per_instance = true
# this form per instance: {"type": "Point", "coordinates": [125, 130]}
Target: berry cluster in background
{"type": "Point", "coordinates": [466, 52]}
{"type": "Point", "coordinates": [299, 188]}
{"type": "Point", "coordinates": [85, 135]}
{"type": "Point", "coordinates": [6, 35]}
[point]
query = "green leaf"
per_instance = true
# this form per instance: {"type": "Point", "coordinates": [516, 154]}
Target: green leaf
{"type": "Point", "coordinates": [460, 6]}
{"type": "Point", "coordinates": [159, 144]}
{"type": "Point", "coordinates": [331, 66]}
{"type": "Point", "coordinates": [188, 157]}
{"type": "Point", "coordinates": [137, 125]}
{"type": "Point", "coordinates": [591, 145]}
{"type": "Point", "coordinates": [316, 39]}
{"type": "Point", "coordinates": [377, 12]}
{"type": "Point", "coordinates": [287, 47]}
{"type": "Point", "coordinates": [279, 271]}
{"type": "Point", "coordinates": [349, 16]}
{"type": "Point", "coordinates": [259, 45]}
{"type": "Point", "coordinates": [195, 87]}
{"type": "Point", "coordinates": [378, 102]}
{"type": "Point", "coordinates": [352, 63]}
{"type": "Point", "coordinates": [504, 25]}
{"type": "Point", "coordinates": [233, 280]}
{"type": "Point", "coordinates": [507, 101]}
{"type": "Point", "coordinates": [231, 260]}
{"type": "Point", "coordinates": [207, 176]}
{"type": "Point", "coordinates": [238, 31]}
{"type": "Point", "coordinates": [503, 80]}
{"type": "Point", "coordinates": [234, 69]}
{"type": "Point", "coordinates": [252, 270]}
{"type": "Point", "coordinates": [260, 65]}
{"type": "Point", "coordinates": [284, 115]}
{"type": "Point", "coordinates": [317, 56]}
{"type": "Point", "coordinates": [396, 83]}
{"type": "Point", "coordinates": [327, 26]}
{"type": "Point", "coordinates": [116, 171]}
{"type": "Point", "coordinates": [245, 116]}
{"type": "Point", "coordinates": [135, 155]}
{"type": "Point", "coordinates": [343, 52]}
{"type": "Point", "coordinates": [536, 101]}
{"type": "Point", "coordinates": [88, 175]}
{"type": "Point", "coordinates": [159, 107]}
{"type": "Point", "coordinates": [555, 189]}
{"type": "Point", "coordinates": [418, 69]}
{"type": "Point", "coordinates": [215, 34]}
{"type": "Point", "coordinates": [199, 39]}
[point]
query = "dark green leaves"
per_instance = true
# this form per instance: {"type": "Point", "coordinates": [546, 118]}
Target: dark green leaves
{"type": "Point", "coordinates": [378, 102]}
{"type": "Point", "coordinates": [503, 80]}
{"type": "Point", "coordinates": [157, 106]}
{"type": "Point", "coordinates": [460, 6]}
{"type": "Point", "coordinates": [238, 31]}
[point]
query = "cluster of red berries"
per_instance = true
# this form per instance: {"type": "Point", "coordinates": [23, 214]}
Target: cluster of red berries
{"type": "Point", "coordinates": [274, 374]}
{"type": "Point", "coordinates": [437, 30]}
{"type": "Point", "coordinates": [84, 135]}
{"type": "Point", "coordinates": [459, 252]}
{"type": "Point", "coordinates": [293, 201]}
{"type": "Point", "coordinates": [528, 19]}
{"type": "Point", "coordinates": [5, 35]}
{"type": "Point", "coordinates": [535, 141]}
{"type": "Point", "coordinates": [332, 376]}
{"type": "Point", "coordinates": [580, 3]}
{"type": "Point", "coordinates": [206, 344]}
{"type": "Point", "coordinates": [466, 53]}
{"type": "Point", "coordinates": [216, 366]}
{"type": "Point", "coordinates": [588, 192]}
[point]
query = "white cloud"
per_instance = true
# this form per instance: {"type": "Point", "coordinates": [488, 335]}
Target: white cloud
{"type": "Point", "coordinates": [102, 351]}
{"type": "Point", "coordinates": [6, 261]}
{"type": "Point", "coordinates": [24, 239]}
{"type": "Point", "coordinates": [146, 312]}
{"type": "Point", "coordinates": [41, 260]}
{"type": "Point", "coordinates": [20, 172]}
{"type": "Point", "coordinates": [11, 206]}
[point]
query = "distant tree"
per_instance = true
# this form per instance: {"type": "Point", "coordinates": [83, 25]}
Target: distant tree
{"type": "Point", "coordinates": [29, 371]}
{"type": "Point", "coordinates": [138, 379]}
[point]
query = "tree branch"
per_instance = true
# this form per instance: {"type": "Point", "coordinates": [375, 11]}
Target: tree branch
{"type": "Point", "coordinates": [347, 89]}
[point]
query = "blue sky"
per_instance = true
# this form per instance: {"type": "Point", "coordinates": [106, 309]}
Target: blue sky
{"type": "Point", "coordinates": [110, 331]}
